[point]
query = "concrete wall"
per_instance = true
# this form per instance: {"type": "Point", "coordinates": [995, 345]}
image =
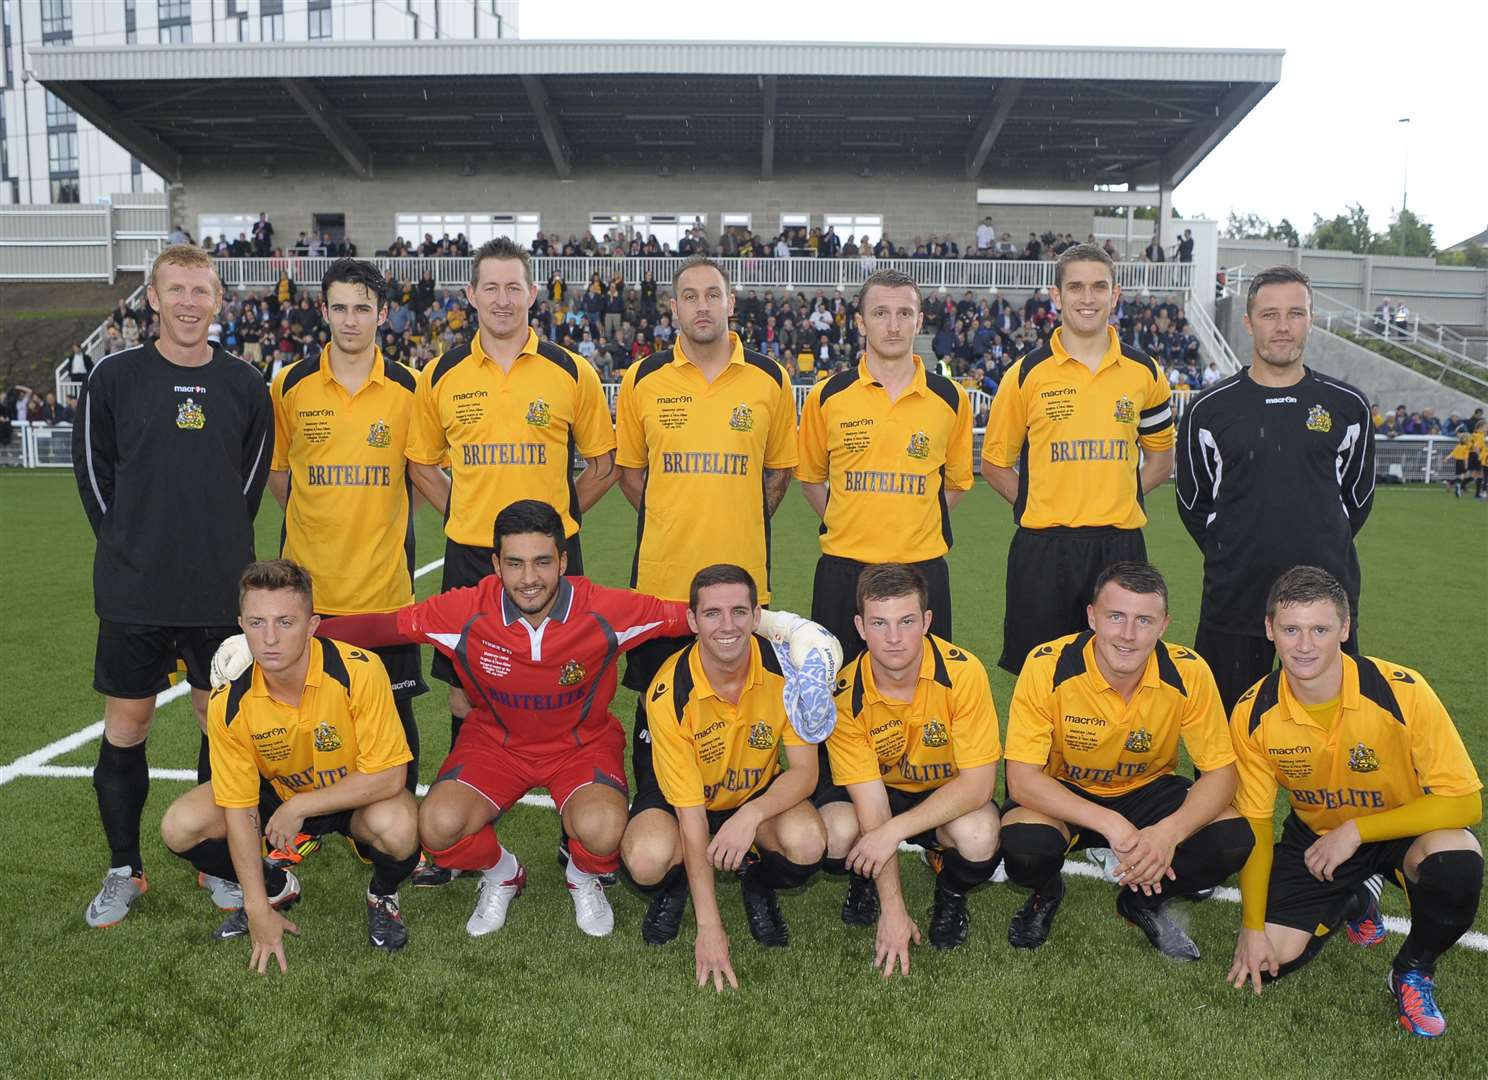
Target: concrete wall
{"type": "Point", "coordinates": [912, 205]}
{"type": "Point", "coordinates": [1382, 380]}
{"type": "Point", "coordinates": [1449, 295]}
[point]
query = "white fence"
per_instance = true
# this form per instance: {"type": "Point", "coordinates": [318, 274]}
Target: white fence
{"type": "Point", "coordinates": [830, 274]}
{"type": "Point", "coordinates": [38, 446]}
{"type": "Point", "coordinates": [1404, 459]}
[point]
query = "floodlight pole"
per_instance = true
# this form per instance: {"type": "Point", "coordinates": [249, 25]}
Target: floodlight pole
{"type": "Point", "coordinates": [1404, 182]}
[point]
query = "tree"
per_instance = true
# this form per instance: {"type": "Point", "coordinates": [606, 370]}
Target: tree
{"type": "Point", "coordinates": [1472, 255]}
{"type": "Point", "coordinates": [1348, 231]}
{"type": "Point", "coordinates": [1254, 227]}
{"type": "Point", "coordinates": [1245, 227]}
{"type": "Point", "coordinates": [1284, 230]}
{"type": "Point", "coordinates": [1407, 235]}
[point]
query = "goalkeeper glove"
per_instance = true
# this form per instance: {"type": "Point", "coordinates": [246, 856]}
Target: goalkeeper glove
{"type": "Point", "coordinates": [802, 637]}
{"type": "Point", "coordinates": [810, 658]}
{"type": "Point", "coordinates": [230, 660]}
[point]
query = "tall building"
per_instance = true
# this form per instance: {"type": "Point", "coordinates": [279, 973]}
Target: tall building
{"type": "Point", "coordinates": [50, 155]}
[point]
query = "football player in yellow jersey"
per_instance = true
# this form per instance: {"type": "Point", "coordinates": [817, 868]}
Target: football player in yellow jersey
{"type": "Point", "coordinates": [1476, 469]}
{"type": "Point", "coordinates": [1092, 745]}
{"type": "Point", "coordinates": [706, 448]}
{"type": "Point", "coordinates": [719, 799]}
{"type": "Point", "coordinates": [885, 454]}
{"type": "Point", "coordinates": [1062, 445]}
{"type": "Point", "coordinates": [1379, 783]}
{"type": "Point", "coordinates": [913, 758]}
{"type": "Point", "coordinates": [509, 410]}
{"type": "Point", "coordinates": [1459, 455]}
{"type": "Point", "coordinates": [315, 720]}
{"type": "Point", "coordinates": [341, 422]}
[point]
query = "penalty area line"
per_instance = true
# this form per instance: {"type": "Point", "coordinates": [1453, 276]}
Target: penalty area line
{"type": "Point", "coordinates": [27, 764]}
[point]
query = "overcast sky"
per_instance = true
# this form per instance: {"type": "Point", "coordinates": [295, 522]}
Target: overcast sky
{"type": "Point", "coordinates": [1327, 135]}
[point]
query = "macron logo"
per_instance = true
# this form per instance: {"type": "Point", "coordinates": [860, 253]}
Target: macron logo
{"type": "Point", "coordinates": [1281, 400]}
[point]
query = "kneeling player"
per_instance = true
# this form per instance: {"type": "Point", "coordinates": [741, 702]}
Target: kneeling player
{"type": "Point", "coordinates": [914, 758]}
{"type": "Point", "coordinates": [1092, 743]}
{"type": "Point", "coordinates": [717, 718]}
{"type": "Point", "coordinates": [1379, 783]}
{"type": "Point", "coordinates": [316, 719]}
{"type": "Point", "coordinates": [536, 652]}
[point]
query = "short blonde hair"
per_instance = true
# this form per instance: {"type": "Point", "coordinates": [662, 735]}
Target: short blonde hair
{"type": "Point", "coordinates": [187, 257]}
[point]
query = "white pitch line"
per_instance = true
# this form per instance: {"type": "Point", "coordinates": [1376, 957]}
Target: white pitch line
{"type": "Point", "coordinates": [21, 765]}
{"type": "Point", "coordinates": [25, 766]}
{"type": "Point", "coordinates": [1072, 867]}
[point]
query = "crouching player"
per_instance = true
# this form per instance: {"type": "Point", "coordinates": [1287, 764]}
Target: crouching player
{"type": "Point", "coordinates": [1379, 783]}
{"type": "Point", "coordinates": [1092, 743]}
{"type": "Point", "coordinates": [717, 715]}
{"type": "Point", "coordinates": [914, 758]}
{"type": "Point", "coordinates": [317, 720]}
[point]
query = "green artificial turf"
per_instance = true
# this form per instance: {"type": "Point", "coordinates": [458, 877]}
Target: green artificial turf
{"type": "Point", "coordinates": [154, 997]}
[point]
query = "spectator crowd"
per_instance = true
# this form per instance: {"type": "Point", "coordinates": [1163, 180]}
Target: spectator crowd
{"type": "Point", "coordinates": [1424, 422]}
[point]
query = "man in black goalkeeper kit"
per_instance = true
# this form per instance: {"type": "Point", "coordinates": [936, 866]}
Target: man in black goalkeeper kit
{"type": "Point", "coordinates": [171, 450]}
{"type": "Point", "coordinates": [1275, 468]}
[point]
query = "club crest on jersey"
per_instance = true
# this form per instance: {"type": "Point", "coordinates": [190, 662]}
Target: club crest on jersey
{"type": "Point", "coordinates": [539, 413]}
{"type": "Point", "coordinates": [742, 418]}
{"type": "Point", "coordinates": [189, 416]}
{"type": "Point", "coordinates": [1362, 759]}
{"type": "Point", "coordinates": [1319, 420]}
{"type": "Point", "coordinates": [571, 674]}
{"type": "Point", "coordinates": [919, 446]}
{"type": "Point", "coordinates": [326, 738]}
{"type": "Point", "coordinates": [934, 734]}
{"type": "Point", "coordinates": [760, 737]}
{"type": "Point", "coordinates": [380, 436]}
{"type": "Point", "coordinates": [1126, 411]}
{"type": "Point", "coordinates": [1139, 741]}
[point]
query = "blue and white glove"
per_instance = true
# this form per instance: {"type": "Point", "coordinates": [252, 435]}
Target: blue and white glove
{"type": "Point", "coordinates": [810, 658]}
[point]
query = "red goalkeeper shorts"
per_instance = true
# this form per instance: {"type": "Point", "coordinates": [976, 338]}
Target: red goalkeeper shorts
{"type": "Point", "coordinates": [503, 775]}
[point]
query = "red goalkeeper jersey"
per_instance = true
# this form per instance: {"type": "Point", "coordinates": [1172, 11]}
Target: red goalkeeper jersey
{"type": "Point", "coordinates": [547, 688]}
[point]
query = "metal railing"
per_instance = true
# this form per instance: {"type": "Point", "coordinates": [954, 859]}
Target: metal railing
{"type": "Point", "coordinates": [1403, 459]}
{"type": "Point", "coordinates": [1212, 344]}
{"type": "Point", "coordinates": [93, 344]}
{"type": "Point", "coordinates": [753, 273]}
{"type": "Point", "coordinates": [38, 446]}
{"type": "Point", "coordinates": [1411, 332]}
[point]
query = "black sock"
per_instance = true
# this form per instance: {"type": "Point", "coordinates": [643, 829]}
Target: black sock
{"type": "Point", "coordinates": [122, 780]}
{"type": "Point", "coordinates": [1314, 946]}
{"type": "Point", "coordinates": [673, 879]}
{"type": "Point", "coordinates": [211, 857]}
{"type": "Point", "coordinates": [1443, 902]}
{"type": "Point", "coordinates": [411, 733]}
{"type": "Point", "coordinates": [1359, 901]}
{"type": "Point", "coordinates": [835, 867]}
{"type": "Point", "coordinates": [388, 872]}
{"type": "Point", "coordinates": [274, 880]}
{"type": "Point", "coordinates": [775, 871]}
{"type": "Point", "coordinates": [1205, 859]}
{"type": "Point", "coordinates": [1034, 855]}
{"type": "Point", "coordinates": [456, 722]}
{"type": "Point", "coordinates": [203, 761]}
{"type": "Point", "coordinates": [959, 874]}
